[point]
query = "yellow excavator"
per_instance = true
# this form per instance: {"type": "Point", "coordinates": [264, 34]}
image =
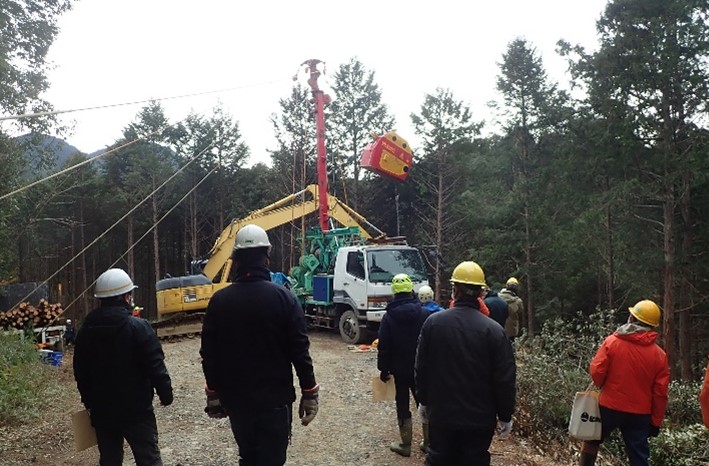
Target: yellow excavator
{"type": "Point", "coordinates": [181, 300]}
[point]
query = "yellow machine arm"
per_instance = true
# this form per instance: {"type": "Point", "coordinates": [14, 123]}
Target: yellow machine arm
{"type": "Point", "coordinates": [279, 213]}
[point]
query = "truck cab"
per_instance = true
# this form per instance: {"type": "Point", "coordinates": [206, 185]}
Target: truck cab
{"type": "Point", "coordinates": [354, 297]}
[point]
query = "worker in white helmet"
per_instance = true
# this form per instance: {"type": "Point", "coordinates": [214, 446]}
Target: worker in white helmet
{"type": "Point", "coordinates": [119, 365]}
{"type": "Point", "coordinates": [261, 325]}
{"type": "Point", "coordinates": [426, 298]}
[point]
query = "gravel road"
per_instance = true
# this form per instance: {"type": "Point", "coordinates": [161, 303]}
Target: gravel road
{"type": "Point", "coordinates": [350, 428]}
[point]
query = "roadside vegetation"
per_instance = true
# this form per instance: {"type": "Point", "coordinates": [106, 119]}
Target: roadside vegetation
{"type": "Point", "coordinates": [28, 387]}
{"type": "Point", "coordinates": [554, 365]}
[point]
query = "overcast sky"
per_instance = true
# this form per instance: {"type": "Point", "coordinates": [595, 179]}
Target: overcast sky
{"type": "Point", "coordinates": [111, 52]}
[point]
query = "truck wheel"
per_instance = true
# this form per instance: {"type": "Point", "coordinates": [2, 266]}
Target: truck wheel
{"type": "Point", "coordinates": [350, 329]}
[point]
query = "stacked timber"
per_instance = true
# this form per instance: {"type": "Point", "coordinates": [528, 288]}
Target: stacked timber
{"type": "Point", "coordinates": [25, 315]}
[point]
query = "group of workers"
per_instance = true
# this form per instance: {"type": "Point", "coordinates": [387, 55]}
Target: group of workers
{"type": "Point", "coordinates": [458, 363]}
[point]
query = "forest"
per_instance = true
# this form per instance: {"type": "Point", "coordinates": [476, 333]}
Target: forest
{"type": "Point", "coordinates": [593, 192]}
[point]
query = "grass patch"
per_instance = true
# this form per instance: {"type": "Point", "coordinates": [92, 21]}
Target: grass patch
{"type": "Point", "coordinates": [28, 387]}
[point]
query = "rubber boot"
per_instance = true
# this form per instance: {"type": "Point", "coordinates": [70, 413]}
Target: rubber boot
{"type": "Point", "coordinates": [424, 444]}
{"type": "Point", "coordinates": [589, 452]}
{"type": "Point", "coordinates": [403, 448]}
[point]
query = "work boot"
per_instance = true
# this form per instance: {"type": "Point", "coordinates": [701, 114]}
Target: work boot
{"type": "Point", "coordinates": [403, 448]}
{"type": "Point", "coordinates": [589, 452]}
{"type": "Point", "coordinates": [424, 444]}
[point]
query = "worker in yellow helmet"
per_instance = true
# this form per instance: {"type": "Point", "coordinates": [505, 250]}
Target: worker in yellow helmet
{"type": "Point", "coordinates": [398, 335]}
{"type": "Point", "coordinates": [633, 374]}
{"type": "Point", "coordinates": [465, 375]}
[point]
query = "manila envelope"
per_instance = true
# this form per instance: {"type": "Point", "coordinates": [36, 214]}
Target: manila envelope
{"type": "Point", "coordinates": [84, 432]}
{"type": "Point", "coordinates": [383, 391]}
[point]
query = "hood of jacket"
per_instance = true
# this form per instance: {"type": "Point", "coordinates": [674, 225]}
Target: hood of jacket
{"type": "Point", "coordinates": [635, 333]}
{"type": "Point", "coordinates": [404, 309]}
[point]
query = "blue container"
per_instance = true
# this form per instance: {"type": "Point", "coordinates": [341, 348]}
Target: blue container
{"type": "Point", "coordinates": [322, 288]}
{"type": "Point", "coordinates": [57, 358]}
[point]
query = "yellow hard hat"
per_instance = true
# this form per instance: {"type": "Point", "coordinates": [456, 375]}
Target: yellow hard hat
{"type": "Point", "coordinates": [468, 273]}
{"type": "Point", "coordinates": [512, 281]}
{"type": "Point", "coordinates": [646, 311]}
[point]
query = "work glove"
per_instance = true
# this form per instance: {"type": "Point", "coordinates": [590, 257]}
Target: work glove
{"type": "Point", "coordinates": [166, 400]}
{"type": "Point", "coordinates": [654, 431]}
{"type": "Point", "coordinates": [308, 405]}
{"type": "Point", "coordinates": [504, 428]}
{"type": "Point", "coordinates": [214, 407]}
{"type": "Point", "coordinates": [384, 376]}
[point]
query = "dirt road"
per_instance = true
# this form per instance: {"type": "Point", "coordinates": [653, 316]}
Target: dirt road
{"type": "Point", "coordinates": [350, 428]}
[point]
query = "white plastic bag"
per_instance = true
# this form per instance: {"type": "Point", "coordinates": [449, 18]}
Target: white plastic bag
{"type": "Point", "coordinates": [585, 421]}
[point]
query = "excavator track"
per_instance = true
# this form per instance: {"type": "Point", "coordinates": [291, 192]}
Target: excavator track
{"type": "Point", "coordinates": [181, 325]}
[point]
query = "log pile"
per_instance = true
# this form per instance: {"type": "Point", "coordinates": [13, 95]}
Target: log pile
{"type": "Point", "coordinates": [25, 314]}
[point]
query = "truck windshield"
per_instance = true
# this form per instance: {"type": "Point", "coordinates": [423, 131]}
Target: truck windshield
{"type": "Point", "coordinates": [385, 263]}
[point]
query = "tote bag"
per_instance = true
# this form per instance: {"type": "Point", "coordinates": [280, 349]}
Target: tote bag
{"type": "Point", "coordinates": [585, 421]}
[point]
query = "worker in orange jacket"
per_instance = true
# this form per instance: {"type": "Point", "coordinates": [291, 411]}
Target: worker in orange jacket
{"type": "Point", "coordinates": [704, 398]}
{"type": "Point", "coordinates": [633, 374]}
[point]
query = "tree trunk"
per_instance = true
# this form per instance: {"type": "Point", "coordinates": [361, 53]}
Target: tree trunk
{"type": "Point", "coordinates": [531, 324]}
{"type": "Point", "coordinates": [668, 302]}
{"type": "Point", "coordinates": [439, 220]}
{"type": "Point", "coordinates": [130, 257]}
{"type": "Point", "coordinates": [686, 301]}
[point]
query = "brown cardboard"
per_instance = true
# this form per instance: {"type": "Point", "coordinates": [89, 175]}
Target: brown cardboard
{"type": "Point", "coordinates": [383, 391]}
{"type": "Point", "coordinates": [84, 432]}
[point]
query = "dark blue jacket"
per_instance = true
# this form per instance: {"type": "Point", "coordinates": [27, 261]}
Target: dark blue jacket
{"type": "Point", "coordinates": [253, 335]}
{"type": "Point", "coordinates": [118, 365]}
{"type": "Point", "coordinates": [497, 307]}
{"type": "Point", "coordinates": [398, 336]}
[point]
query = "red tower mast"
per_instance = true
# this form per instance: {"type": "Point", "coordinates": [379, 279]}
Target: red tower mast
{"type": "Point", "coordinates": [320, 99]}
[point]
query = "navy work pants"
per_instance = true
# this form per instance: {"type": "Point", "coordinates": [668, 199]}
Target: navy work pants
{"type": "Point", "coordinates": [142, 437]}
{"type": "Point", "coordinates": [404, 386]}
{"type": "Point", "coordinates": [455, 446]}
{"type": "Point", "coordinates": [635, 430]}
{"type": "Point", "coordinates": [262, 434]}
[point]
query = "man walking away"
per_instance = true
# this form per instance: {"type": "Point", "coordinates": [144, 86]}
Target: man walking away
{"type": "Point", "coordinates": [426, 298]}
{"type": "Point", "coordinates": [633, 375]}
{"type": "Point", "coordinates": [465, 376]}
{"type": "Point", "coordinates": [253, 334]}
{"type": "Point", "coordinates": [515, 307]}
{"type": "Point", "coordinates": [398, 335]}
{"type": "Point", "coordinates": [499, 310]}
{"type": "Point", "coordinates": [118, 365]}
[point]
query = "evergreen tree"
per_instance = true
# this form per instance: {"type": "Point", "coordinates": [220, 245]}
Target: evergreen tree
{"type": "Point", "coordinates": [649, 78]}
{"type": "Point", "coordinates": [528, 116]}
{"type": "Point", "coordinates": [445, 126]}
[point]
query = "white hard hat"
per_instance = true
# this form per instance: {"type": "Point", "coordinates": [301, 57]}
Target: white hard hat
{"type": "Point", "coordinates": [68, 321]}
{"type": "Point", "coordinates": [425, 294]}
{"type": "Point", "coordinates": [113, 282]}
{"type": "Point", "coordinates": [251, 236]}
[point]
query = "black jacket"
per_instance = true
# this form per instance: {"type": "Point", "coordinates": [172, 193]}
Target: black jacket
{"type": "Point", "coordinates": [465, 369]}
{"type": "Point", "coordinates": [118, 365]}
{"type": "Point", "coordinates": [398, 336]}
{"type": "Point", "coordinates": [253, 332]}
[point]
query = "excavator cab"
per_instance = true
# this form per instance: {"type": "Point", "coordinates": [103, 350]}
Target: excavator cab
{"type": "Point", "coordinates": [388, 155]}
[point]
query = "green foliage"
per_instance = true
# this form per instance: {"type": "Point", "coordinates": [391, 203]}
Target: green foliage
{"type": "Point", "coordinates": [683, 404]}
{"type": "Point", "coordinates": [681, 446]}
{"type": "Point", "coordinates": [27, 386]}
{"type": "Point", "coordinates": [552, 367]}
